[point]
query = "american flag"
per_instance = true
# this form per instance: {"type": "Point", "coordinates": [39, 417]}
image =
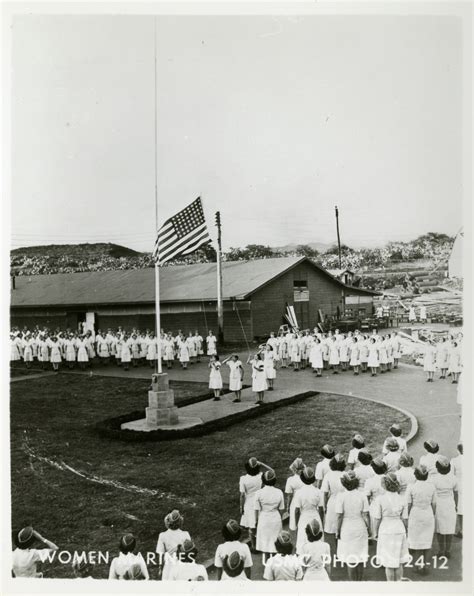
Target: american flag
{"type": "Point", "coordinates": [182, 234]}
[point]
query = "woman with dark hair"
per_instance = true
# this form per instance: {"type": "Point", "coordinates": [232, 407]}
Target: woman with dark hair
{"type": "Point", "coordinates": [358, 443]}
{"type": "Point", "coordinates": [429, 361]}
{"type": "Point", "coordinates": [231, 533]}
{"type": "Point", "coordinates": [442, 357]}
{"type": "Point", "coordinates": [354, 355]}
{"type": "Point", "coordinates": [316, 554]}
{"type": "Point", "coordinates": [352, 510]}
{"type": "Point", "coordinates": [249, 484]}
{"type": "Point", "coordinates": [431, 457]}
{"type": "Point", "coordinates": [323, 467]}
{"type": "Point", "coordinates": [259, 379]}
{"type": "Point", "coordinates": [25, 557]}
{"type": "Point", "coordinates": [373, 487]}
{"type": "Point", "coordinates": [334, 360]}
{"type": "Point", "coordinates": [126, 559]}
{"type": "Point", "coordinates": [455, 365]}
{"type": "Point", "coordinates": [215, 377]}
{"type": "Point", "coordinates": [391, 520]}
{"type": "Point", "coordinates": [331, 487]}
{"type": "Point", "coordinates": [233, 567]}
{"type": "Point", "coordinates": [364, 470]}
{"type": "Point", "coordinates": [446, 485]}
{"type": "Point", "coordinates": [269, 506]}
{"type": "Point", "coordinates": [284, 566]}
{"type": "Point", "coordinates": [392, 457]}
{"type": "Point", "coordinates": [235, 376]}
{"type": "Point", "coordinates": [406, 474]}
{"type": "Point", "coordinates": [421, 500]}
{"type": "Point", "coordinates": [316, 356]}
{"type": "Point", "coordinates": [169, 540]}
{"type": "Point", "coordinates": [308, 503]}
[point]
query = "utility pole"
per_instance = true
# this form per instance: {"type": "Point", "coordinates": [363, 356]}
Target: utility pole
{"type": "Point", "coordinates": [338, 237]}
{"type": "Point", "coordinates": [220, 306]}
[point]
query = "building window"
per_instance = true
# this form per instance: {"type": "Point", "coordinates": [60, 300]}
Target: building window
{"type": "Point", "coordinates": [300, 290]}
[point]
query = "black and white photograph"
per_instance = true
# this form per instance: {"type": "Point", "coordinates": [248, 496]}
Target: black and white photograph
{"type": "Point", "coordinates": [237, 300]}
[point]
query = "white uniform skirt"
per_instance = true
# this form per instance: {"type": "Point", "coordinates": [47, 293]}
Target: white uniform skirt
{"type": "Point", "coordinates": [103, 350]}
{"type": "Point", "coordinates": [353, 545]}
{"type": "Point", "coordinates": [15, 353]}
{"type": "Point", "coordinates": [70, 354]}
{"type": "Point", "coordinates": [235, 382]}
{"type": "Point", "coordinates": [248, 519]}
{"type": "Point", "coordinates": [316, 358]}
{"type": "Point", "coordinates": [305, 518]}
{"type": "Point", "coordinates": [125, 355]}
{"type": "Point", "coordinates": [330, 519]}
{"type": "Point", "coordinates": [421, 526]}
{"type": "Point", "coordinates": [215, 379]}
{"type": "Point", "coordinates": [270, 371]}
{"type": "Point", "coordinates": [55, 354]}
{"type": "Point", "coordinates": [392, 549]}
{"type": "Point", "coordinates": [43, 354]}
{"type": "Point", "coordinates": [445, 517]}
{"type": "Point", "coordinates": [28, 354]}
{"type": "Point", "coordinates": [259, 381]}
{"type": "Point", "coordinates": [82, 355]}
{"type": "Point", "coordinates": [268, 528]}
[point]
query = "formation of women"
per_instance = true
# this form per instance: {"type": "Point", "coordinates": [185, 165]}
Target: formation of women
{"type": "Point", "coordinates": [124, 348]}
{"type": "Point", "coordinates": [335, 509]}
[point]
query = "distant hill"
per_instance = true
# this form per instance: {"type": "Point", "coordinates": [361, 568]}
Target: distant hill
{"type": "Point", "coordinates": [319, 246]}
{"type": "Point", "coordinates": [77, 251]}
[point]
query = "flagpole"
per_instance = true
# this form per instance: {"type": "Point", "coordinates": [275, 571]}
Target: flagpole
{"type": "Point", "coordinates": [157, 266]}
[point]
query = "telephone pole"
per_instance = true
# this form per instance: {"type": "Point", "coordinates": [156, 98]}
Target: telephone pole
{"type": "Point", "coordinates": [220, 306]}
{"type": "Point", "coordinates": [338, 237]}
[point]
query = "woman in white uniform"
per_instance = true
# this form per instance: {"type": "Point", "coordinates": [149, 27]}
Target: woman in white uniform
{"type": "Point", "coordinates": [121, 565]}
{"type": "Point", "coordinates": [457, 465]}
{"type": "Point", "coordinates": [429, 361]}
{"type": "Point", "coordinates": [430, 458]}
{"type": "Point", "coordinates": [82, 354]}
{"type": "Point", "coordinates": [231, 533]}
{"type": "Point", "coordinates": [421, 501]}
{"type": "Point", "coordinates": [269, 365]}
{"type": "Point", "coordinates": [316, 554]}
{"type": "Point", "coordinates": [363, 353]}
{"type": "Point", "coordinates": [293, 484]}
{"type": "Point", "coordinates": [125, 351]}
{"type": "Point", "coordinates": [69, 350]}
{"type": "Point", "coordinates": [442, 357]}
{"type": "Point", "coordinates": [358, 443]}
{"type": "Point", "coordinates": [198, 341]}
{"type": "Point", "coordinates": [455, 365]}
{"type": "Point", "coordinates": [308, 502]}
{"type": "Point", "coordinates": [249, 484]}
{"type": "Point", "coordinates": [168, 351]}
{"type": "Point", "coordinates": [373, 361]}
{"type": "Point", "coordinates": [331, 487]}
{"type": "Point", "coordinates": [152, 350]}
{"type": "Point", "coordinates": [406, 474]}
{"type": "Point", "coordinates": [211, 342]}
{"type": "Point", "coordinates": [295, 352]}
{"type": "Point", "coordinates": [391, 520]}
{"type": "Point", "coordinates": [259, 378]}
{"type": "Point", "coordinates": [28, 343]}
{"type": "Point", "coordinates": [191, 345]}
{"type": "Point", "coordinates": [395, 431]}
{"type": "Point", "coordinates": [392, 457]}
{"type": "Point", "coordinates": [316, 356]}
{"type": "Point", "coordinates": [169, 541]}
{"type": "Point", "coordinates": [323, 466]}
{"type": "Point", "coordinates": [352, 510]}
{"type": "Point", "coordinates": [354, 354]}
{"type": "Point", "coordinates": [25, 557]}
{"type": "Point", "coordinates": [186, 568]}
{"type": "Point", "coordinates": [269, 505]}
{"type": "Point", "coordinates": [373, 488]}
{"type": "Point", "coordinates": [55, 353]}
{"type": "Point", "coordinates": [15, 350]}
{"type": "Point", "coordinates": [446, 485]}
{"type": "Point", "coordinates": [183, 353]}
{"type": "Point", "coordinates": [284, 566]}
{"type": "Point", "coordinates": [236, 375]}
{"type": "Point", "coordinates": [364, 470]}
{"type": "Point", "coordinates": [215, 377]}
{"type": "Point", "coordinates": [396, 349]}
{"type": "Point", "coordinates": [334, 355]}
{"type": "Point", "coordinates": [283, 349]}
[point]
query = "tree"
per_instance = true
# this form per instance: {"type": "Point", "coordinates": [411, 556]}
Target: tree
{"type": "Point", "coordinates": [334, 250]}
{"type": "Point", "coordinates": [251, 252]}
{"type": "Point", "coordinates": [305, 250]}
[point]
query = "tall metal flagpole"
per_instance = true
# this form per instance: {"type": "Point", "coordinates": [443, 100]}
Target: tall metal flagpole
{"type": "Point", "coordinates": [157, 266]}
{"type": "Point", "coordinates": [338, 238]}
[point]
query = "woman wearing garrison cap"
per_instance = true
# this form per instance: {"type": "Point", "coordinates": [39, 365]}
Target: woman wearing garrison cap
{"type": "Point", "coordinates": [249, 484]}
{"type": "Point", "coordinates": [430, 458]}
{"type": "Point", "coordinates": [169, 540]}
{"type": "Point", "coordinates": [395, 432]}
{"type": "Point", "coordinates": [364, 471]}
{"type": "Point", "coordinates": [308, 503]}
{"type": "Point", "coordinates": [352, 511]}
{"type": "Point", "coordinates": [392, 458]}
{"type": "Point", "coordinates": [284, 566]}
{"type": "Point", "coordinates": [269, 506]}
{"type": "Point", "coordinates": [322, 467]}
{"type": "Point", "coordinates": [316, 554]}
{"type": "Point", "coordinates": [446, 485]}
{"type": "Point", "coordinates": [406, 474]}
{"type": "Point", "coordinates": [186, 568]}
{"type": "Point", "coordinates": [373, 487]}
{"type": "Point", "coordinates": [25, 557]}
{"type": "Point", "coordinates": [421, 500]}
{"type": "Point", "coordinates": [391, 519]}
{"type": "Point", "coordinates": [331, 488]}
{"type": "Point", "coordinates": [293, 484]}
{"type": "Point", "coordinates": [231, 533]}
{"type": "Point", "coordinates": [358, 443]}
{"type": "Point", "coordinates": [127, 558]}
{"type": "Point", "coordinates": [233, 567]}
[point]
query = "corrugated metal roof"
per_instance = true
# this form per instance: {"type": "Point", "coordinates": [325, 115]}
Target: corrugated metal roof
{"type": "Point", "coordinates": [177, 284]}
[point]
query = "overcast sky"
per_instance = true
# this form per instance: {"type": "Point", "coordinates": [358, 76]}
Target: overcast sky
{"type": "Point", "coordinates": [271, 120]}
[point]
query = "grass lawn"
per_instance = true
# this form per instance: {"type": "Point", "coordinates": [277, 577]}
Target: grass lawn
{"type": "Point", "coordinates": [200, 475]}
